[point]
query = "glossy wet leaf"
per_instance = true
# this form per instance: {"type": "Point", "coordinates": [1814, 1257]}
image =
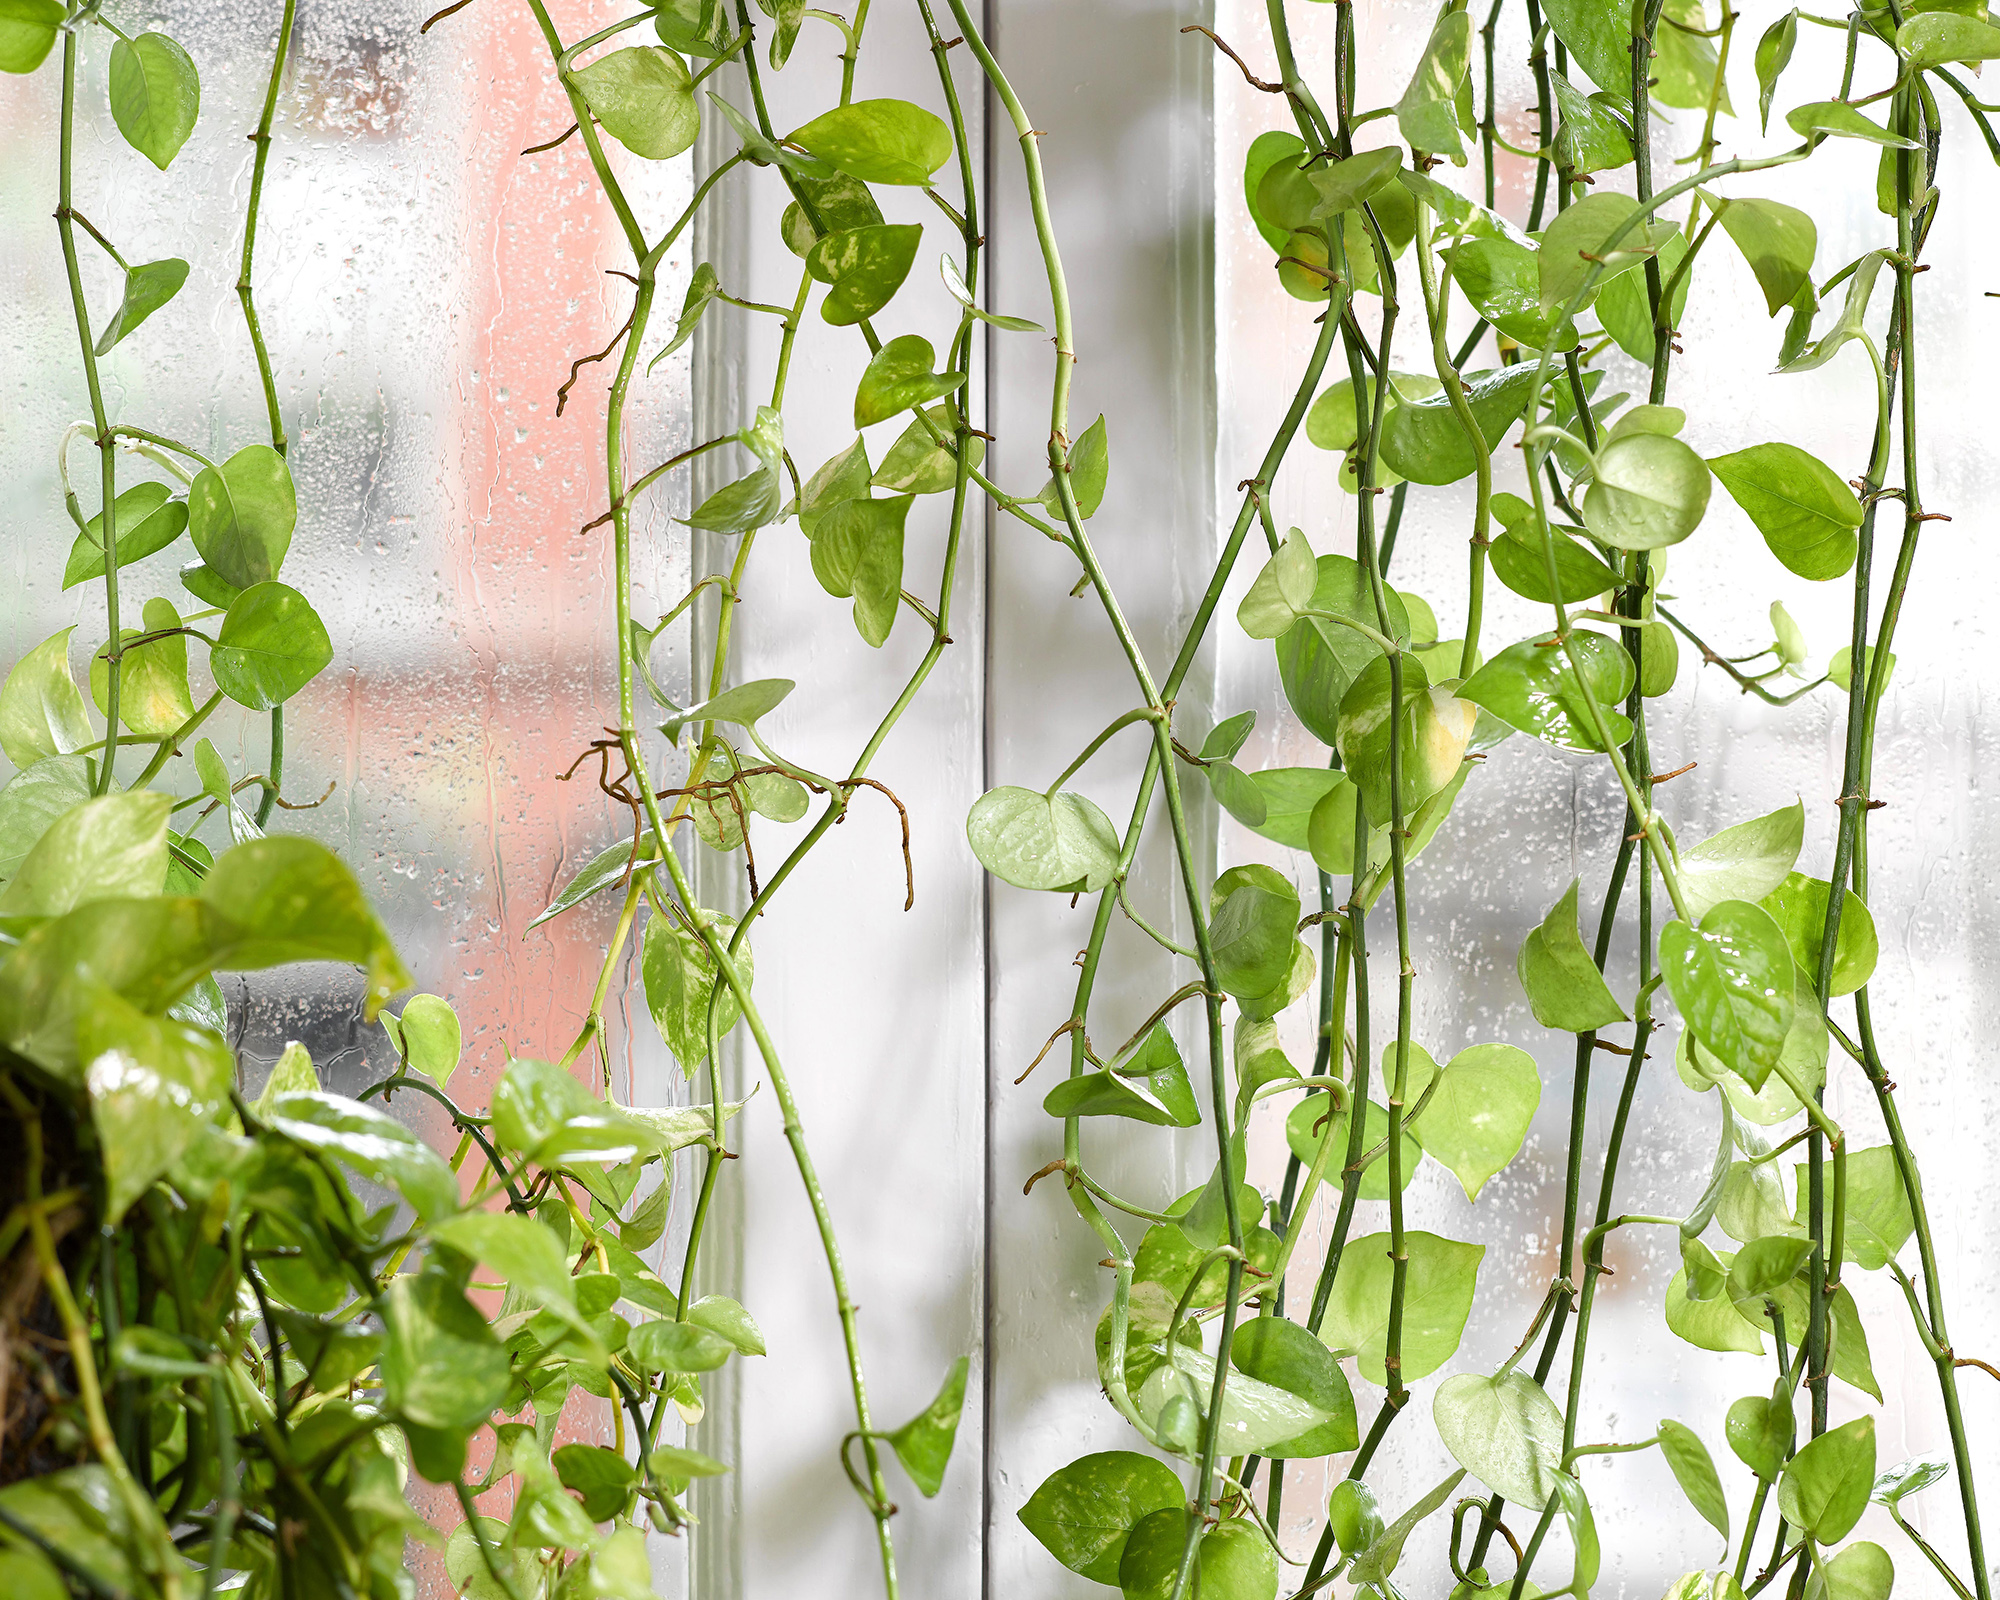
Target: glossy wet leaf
{"type": "Point", "coordinates": [1300, 971]}
{"type": "Point", "coordinates": [1423, 440]}
{"type": "Point", "coordinates": [1089, 464]}
{"type": "Point", "coordinates": [602, 1478]}
{"type": "Point", "coordinates": [1062, 842]}
{"type": "Point", "coordinates": [1309, 1122]}
{"type": "Point", "coordinates": [644, 97]}
{"type": "Point", "coordinates": [1624, 305]}
{"type": "Point", "coordinates": [694, 27]}
{"type": "Point", "coordinates": [602, 871]}
{"type": "Point", "coordinates": [840, 201]}
{"type": "Point", "coordinates": [1319, 659]}
{"type": "Point", "coordinates": [1849, 326]}
{"type": "Point", "coordinates": [28, 31]}
{"type": "Point", "coordinates": [1253, 911]}
{"type": "Point", "coordinates": [742, 704]}
{"type": "Point", "coordinates": [155, 97]}
{"type": "Point", "coordinates": [1878, 1218]}
{"type": "Point", "coordinates": [78, 1510]}
{"type": "Point", "coordinates": [1743, 862]}
{"type": "Point", "coordinates": [241, 515]}
{"type": "Point", "coordinates": [1799, 905]}
{"type": "Point", "coordinates": [1352, 1516]}
{"type": "Point", "coordinates": [1649, 491]}
{"type": "Point", "coordinates": [1284, 198]}
{"type": "Point", "coordinates": [923, 1444]}
{"type": "Point", "coordinates": [441, 1365]}
{"type": "Point", "coordinates": [1332, 422]}
{"type": "Point", "coordinates": [1290, 795]}
{"type": "Point", "coordinates": [1861, 1571]}
{"type": "Point", "coordinates": [1732, 980]}
{"type": "Point", "coordinates": [1520, 562]}
{"type": "Point", "coordinates": [1343, 185]}
{"type": "Point", "coordinates": [145, 520]}
{"type": "Point", "coordinates": [667, 1346]}
{"type": "Point", "coordinates": [1599, 36]}
{"type": "Point", "coordinates": [206, 585]}
{"type": "Point", "coordinates": [1805, 511]}
{"type": "Point", "coordinates": [1501, 277]}
{"type": "Point", "coordinates": [1774, 54]}
{"type": "Point", "coordinates": [102, 849]}
{"type": "Point", "coordinates": [719, 1314]}
{"type": "Point", "coordinates": [1083, 1513]}
{"type": "Point", "coordinates": [1582, 1531]}
{"type": "Point", "coordinates": [898, 377]}
{"type": "Point", "coordinates": [1430, 734]}
{"type": "Point", "coordinates": [879, 141]}
{"type": "Point", "coordinates": [1694, 1470]}
{"type": "Point", "coordinates": [1236, 1562]}
{"type": "Point", "coordinates": [270, 646]}
{"type": "Point", "coordinates": [955, 285]}
{"type": "Point", "coordinates": [1684, 63]}
{"type": "Point", "coordinates": [1825, 1486]}
{"type": "Point", "coordinates": [1778, 241]}
{"type": "Point", "coordinates": [1266, 151]}
{"type": "Point", "coordinates": [32, 800]}
{"type": "Point", "coordinates": [41, 708]}
{"type": "Point", "coordinates": [1803, 1056]}
{"type": "Point", "coordinates": [1285, 1356]}
{"type": "Point", "coordinates": [378, 1147]}
{"type": "Point", "coordinates": [1149, 1085]}
{"type": "Point", "coordinates": [1427, 113]}
{"type": "Point", "coordinates": [1255, 1416]}
{"type": "Point", "coordinates": [680, 975]}
{"type": "Point", "coordinates": [702, 290]}
{"type": "Point", "coordinates": [1504, 1430]}
{"type": "Point", "coordinates": [464, 1564]}
{"type": "Point", "coordinates": [1910, 1477]}
{"type": "Point", "coordinates": [842, 477]}
{"type": "Point", "coordinates": [291, 899]}
{"type": "Point", "coordinates": [1236, 794]}
{"type": "Point", "coordinates": [857, 550]}
{"type": "Point", "coordinates": [1938, 38]}
{"type": "Point", "coordinates": [1531, 686]}
{"type": "Point", "coordinates": [148, 286]}
{"type": "Point", "coordinates": [676, 1461]}
{"type": "Point", "coordinates": [517, 1250]}
{"type": "Point", "coordinates": [153, 1083]}
{"type": "Point", "coordinates": [758, 496]}
{"type": "Point", "coordinates": [865, 266]}
{"type": "Point", "coordinates": [1595, 134]}
{"type": "Point", "coordinates": [1383, 1554]}
{"type": "Point", "coordinates": [430, 1038]}
{"type": "Point", "coordinates": [153, 695]}
{"type": "Point", "coordinates": [1437, 1298]}
{"type": "Point", "coordinates": [918, 464]}
{"type": "Point", "coordinates": [1759, 1430]}
{"type": "Point", "coordinates": [1585, 230]}
{"type": "Point", "coordinates": [1478, 1116]}
{"type": "Point", "coordinates": [1841, 120]}
{"type": "Point", "coordinates": [1282, 589]}
{"type": "Point", "coordinates": [1564, 987]}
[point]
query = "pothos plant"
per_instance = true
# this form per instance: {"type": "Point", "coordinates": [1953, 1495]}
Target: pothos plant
{"type": "Point", "coordinates": [231, 1327]}
{"type": "Point", "coordinates": [1227, 1354]}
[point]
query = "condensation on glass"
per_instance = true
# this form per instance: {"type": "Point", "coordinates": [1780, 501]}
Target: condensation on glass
{"type": "Point", "coordinates": [1534, 818]}
{"type": "Point", "coordinates": [423, 287]}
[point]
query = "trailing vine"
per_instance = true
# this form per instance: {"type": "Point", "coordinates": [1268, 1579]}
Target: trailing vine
{"type": "Point", "coordinates": [221, 1354]}
{"type": "Point", "coordinates": [1201, 1350]}
{"type": "Point", "coordinates": [237, 1357]}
